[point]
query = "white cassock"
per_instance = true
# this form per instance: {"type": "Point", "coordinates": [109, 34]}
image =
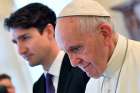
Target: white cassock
{"type": "Point", "coordinates": [123, 72]}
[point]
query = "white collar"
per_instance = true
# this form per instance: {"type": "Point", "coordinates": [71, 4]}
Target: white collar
{"type": "Point", "coordinates": [56, 65]}
{"type": "Point", "coordinates": [117, 57]}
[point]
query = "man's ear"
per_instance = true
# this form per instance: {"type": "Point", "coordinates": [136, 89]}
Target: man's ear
{"type": "Point", "coordinates": [49, 31]}
{"type": "Point", "coordinates": [105, 29]}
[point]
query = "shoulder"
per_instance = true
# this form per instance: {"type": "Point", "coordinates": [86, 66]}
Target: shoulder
{"type": "Point", "coordinates": [134, 48]}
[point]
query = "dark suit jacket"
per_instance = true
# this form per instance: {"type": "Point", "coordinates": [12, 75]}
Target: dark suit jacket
{"type": "Point", "coordinates": [71, 80]}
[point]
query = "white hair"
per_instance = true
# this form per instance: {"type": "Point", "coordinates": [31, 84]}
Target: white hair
{"type": "Point", "coordinates": [90, 23]}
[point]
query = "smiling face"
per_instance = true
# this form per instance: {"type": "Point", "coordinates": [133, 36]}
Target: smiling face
{"type": "Point", "coordinates": [32, 46]}
{"type": "Point", "coordinates": [87, 50]}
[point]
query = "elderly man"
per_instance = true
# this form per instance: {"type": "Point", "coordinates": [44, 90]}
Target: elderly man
{"type": "Point", "coordinates": [85, 31]}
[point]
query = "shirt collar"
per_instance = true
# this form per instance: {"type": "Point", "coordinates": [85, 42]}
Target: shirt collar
{"type": "Point", "coordinates": [117, 57]}
{"type": "Point", "coordinates": [56, 65]}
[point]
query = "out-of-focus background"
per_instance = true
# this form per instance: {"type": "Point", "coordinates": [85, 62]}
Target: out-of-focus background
{"type": "Point", "coordinates": [125, 13]}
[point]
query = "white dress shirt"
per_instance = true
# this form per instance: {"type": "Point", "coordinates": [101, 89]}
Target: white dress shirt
{"type": "Point", "coordinates": [55, 69]}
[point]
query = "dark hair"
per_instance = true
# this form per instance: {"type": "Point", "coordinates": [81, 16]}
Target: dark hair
{"type": "Point", "coordinates": [32, 15]}
{"type": "Point", "coordinates": [4, 76]}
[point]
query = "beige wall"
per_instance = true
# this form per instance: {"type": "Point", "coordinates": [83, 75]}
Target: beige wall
{"type": "Point", "coordinates": [5, 8]}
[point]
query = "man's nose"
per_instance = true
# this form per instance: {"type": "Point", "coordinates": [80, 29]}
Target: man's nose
{"type": "Point", "coordinates": [75, 61]}
{"type": "Point", "coordinates": [21, 49]}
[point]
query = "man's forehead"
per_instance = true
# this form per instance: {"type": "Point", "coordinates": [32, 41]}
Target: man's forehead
{"type": "Point", "coordinates": [4, 80]}
{"type": "Point", "coordinates": [70, 19]}
{"type": "Point", "coordinates": [16, 34]}
{"type": "Point", "coordinates": [68, 40]}
{"type": "Point", "coordinates": [66, 25]}
{"type": "Point", "coordinates": [19, 31]}
{"type": "Point", "coordinates": [13, 34]}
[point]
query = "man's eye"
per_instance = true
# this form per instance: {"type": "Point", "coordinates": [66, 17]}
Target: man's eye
{"type": "Point", "coordinates": [26, 38]}
{"type": "Point", "coordinates": [14, 41]}
{"type": "Point", "coordinates": [75, 49]}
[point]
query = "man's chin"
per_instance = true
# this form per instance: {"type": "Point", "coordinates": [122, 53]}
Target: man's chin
{"type": "Point", "coordinates": [32, 65]}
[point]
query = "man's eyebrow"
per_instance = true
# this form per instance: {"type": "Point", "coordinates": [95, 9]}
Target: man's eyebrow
{"type": "Point", "coordinates": [19, 38]}
{"type": "Point", "coordinates": [14, 41]}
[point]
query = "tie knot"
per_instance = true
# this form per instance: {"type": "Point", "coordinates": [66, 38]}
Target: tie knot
{"type": "Point", "coordinates": [49, 76]}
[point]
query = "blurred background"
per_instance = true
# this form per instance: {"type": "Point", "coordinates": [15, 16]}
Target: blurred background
{"type": "Point", "coordinates": [125, 13]}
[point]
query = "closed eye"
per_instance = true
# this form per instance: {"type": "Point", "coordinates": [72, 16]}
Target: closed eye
{"type": "Point", "coordinates": [25, 37]}
{"type": "Point", "coordinates": [75, 49]}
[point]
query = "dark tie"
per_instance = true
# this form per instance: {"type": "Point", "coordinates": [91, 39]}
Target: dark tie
{"type": "Point", "coordinates": [49, 84]}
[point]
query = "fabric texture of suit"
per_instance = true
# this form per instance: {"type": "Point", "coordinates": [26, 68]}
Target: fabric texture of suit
{"type": "Point", "coordinates": [71, 80]}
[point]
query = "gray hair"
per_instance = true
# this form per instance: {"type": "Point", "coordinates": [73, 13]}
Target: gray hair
{"type": "Point", "coordinates": [89, 23]}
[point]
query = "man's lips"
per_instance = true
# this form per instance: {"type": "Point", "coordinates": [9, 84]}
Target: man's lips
{"type": "Point", "coordinates": [27, 57]}
{"type": "Point", "coordinates": [86, 66]}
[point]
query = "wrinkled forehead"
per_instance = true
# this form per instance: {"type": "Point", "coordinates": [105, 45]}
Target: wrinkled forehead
{"type": "Point", "coordinates": [71, 20]}
{"type": "Point", "coordinates": [65, 26]}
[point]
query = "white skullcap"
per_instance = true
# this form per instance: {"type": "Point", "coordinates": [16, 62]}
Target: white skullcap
{"type": "Point", "coordinates": [83, 7]}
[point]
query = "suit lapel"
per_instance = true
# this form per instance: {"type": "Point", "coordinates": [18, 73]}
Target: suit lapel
{"type": "Point", "coordinates": [42, 84]}
{"type": "Point", "coordinates": [65, 76]}
{"type": "Point", "coordinates": [39, 86]}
